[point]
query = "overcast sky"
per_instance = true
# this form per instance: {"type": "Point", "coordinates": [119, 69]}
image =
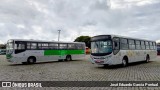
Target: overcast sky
{"type": "Point", "coordinates": [40, 19]}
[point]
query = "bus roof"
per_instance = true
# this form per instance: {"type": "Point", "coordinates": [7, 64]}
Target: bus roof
{"type": "Point", "coordinates": [112, 35]}
{"type": "Point", "coordinates": [31, 40]}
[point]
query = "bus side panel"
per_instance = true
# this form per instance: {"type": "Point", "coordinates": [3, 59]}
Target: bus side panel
{"type": "Point", "coordinates": [138, 55]}
{"type": "Point", "coordinates": [153, 54]}
{"type": "Point", "coordinates": [18, 58]}
{"type": "Point", "coordinates": [117, 59]}
{"type": "Point", "coordinates": [53, 55]}
{"type": "Point", "coordinates": [39, 54]}
{"type": "Point", "coordinates": [23, 56]}
{"type": "Point", "coordinates": [79, 56]}
{"type": "Point", "coordinates": [61, 54]}
{"type": "Point", "coordinates": [36, 53]}
{"type": "Point", "coordinates": [76, 54]}
{"type": "Point", "coordinates": [120, 55]}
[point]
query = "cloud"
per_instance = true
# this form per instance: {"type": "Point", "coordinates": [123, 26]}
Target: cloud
{"type": "Point", "coordinates": [40, 19]}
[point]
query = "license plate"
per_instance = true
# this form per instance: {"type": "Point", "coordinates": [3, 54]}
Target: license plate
{"type": "Point", "coordinates": [99, 61]}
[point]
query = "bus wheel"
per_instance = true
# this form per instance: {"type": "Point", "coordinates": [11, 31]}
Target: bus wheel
{"type": "Point", "coordinates": [105, 65]}
{"type": "Point", "coordinates": [24, 63]}
{"type": "Point", "coordinates": [147, 58]}
{"type": "Point", "coordinates": [60, 60]}
{"type": "Point", "coordinates": [68, 58]}
{"type": "Point", "coordinates": [31, 60]}
{"type": "Point", "coordinates": [124, 63]}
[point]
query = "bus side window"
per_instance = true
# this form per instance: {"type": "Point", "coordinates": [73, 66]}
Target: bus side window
{"type": "Point", "coordinates": [116, 46]}
{"type": "Point", "coordinates": [124, 44]}
{"type": "Point", "coordinates": [147, 45]}
{"type": "Point", "coordinates": [28, 45]}
{"type": "Point", "coordinates": [138, 45]}
{"type": "Point", "coordinates": [132, 45]}
{"type": "Point", "coordinates": [150, 45]}
{"type": "Point", "coordinates": [62, 46]}
{"type": "Point", "coordinates": [143, 47]}
{"type": "Point", "coordinates": [33, 45]}
{"type": "Point", "coordinates": [83, 46]}
{"type": "Point", "coordinates": [53, 45]}
{"type": "Point", "coordinates": [44, 46]}
{"type": "Point", "coordinates": [19, 45]}
{"type": "Point", "coordinates": [71, 46]}
{"type": "Point", "coordinates": [79, 46]}
{"type": "Point", "coordinates": [154, 45]}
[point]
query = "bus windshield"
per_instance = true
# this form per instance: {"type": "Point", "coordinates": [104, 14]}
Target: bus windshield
{"type": "Point", "coordinates": [101, 47]}
{"type": "Point", "coordinates": [9, 45]}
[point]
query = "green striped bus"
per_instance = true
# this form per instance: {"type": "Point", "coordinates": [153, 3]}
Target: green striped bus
{"type": "Point", "coordinates": [32, 51]}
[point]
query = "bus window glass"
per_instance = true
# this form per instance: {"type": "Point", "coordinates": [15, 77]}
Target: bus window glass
{"type": "Point", "coordinates": [143, 45]}
{"type": "Point", "coordinates": [101, 46]}
{"type": "Point", "coordinates": [62, 46]}
{"type": "Point", "coordinates": [33, 45]}
{"type": "Point", "coordinates": [116, 45]}
{"type": "Point", "coordinates": [28, 45]}
{"type": "Point", "coordinates": [131, 44]}
{"type": "Point", "coordinates": [151, 45]}
{"type": "Point", "coordinates": [39, 45]}
{"type": "Point", "coordinates": [79, 46]}
{"type": "Point", "coordinates": [44, 45]}
{"type": "Point", "coordinates": [83, 46]}
{"type": "Point", "coordinates": [124, 44]}
{"type": "Point", "coordinates": [138, 46]}
{"type": "Point", "coordinates": [53, 46]}
{"type": "Point", "coordinates": [71, 46]}
{"type": "Point", "coordinates": [154, 45]}
{"type": "Point", "coordinates": [19, 45]}
{"type": "Point", "coordinates": [9, 45]}
{"type": "Point", "coordinates": [147, 45]}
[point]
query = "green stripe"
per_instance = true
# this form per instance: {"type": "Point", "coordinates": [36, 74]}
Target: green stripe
{"type": "Point", "coordinates": [63, 52]}
{"type": "Point", "coordinates": [8, 56]}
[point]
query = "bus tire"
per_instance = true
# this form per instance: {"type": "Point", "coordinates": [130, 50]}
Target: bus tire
{"type": "Point", "coordinates": [124, 61]}
{"type": "Point", "coordinates": [68, 58]}
{"type": "Point", "coordinates": [31, 60]}
{"type": "Point", "coordinates": [24, 63]}
{"type": "Point", "coordinates": [105, 65]}
{"type": "Point", "coordinates": [60, 60]}
{"type": "Point", "coordinates": [147, 58]}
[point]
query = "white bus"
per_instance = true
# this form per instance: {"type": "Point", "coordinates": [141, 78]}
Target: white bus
{"type": "Point", "coordinates": [113, 49]}
{"type": "Point", "coordinates": [32, 51]}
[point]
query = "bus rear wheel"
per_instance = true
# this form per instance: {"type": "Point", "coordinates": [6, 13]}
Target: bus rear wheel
{"type": "Point", "coordinates": [68, 58]}
{"type": "Point", "coordinates": [31, 60]}
{"type": "Point", "coordinates": [124, 63]}
{"type": "Point", "coordinates": [105, 65]}
{"type": "Point", "coordinates": [147, 58]}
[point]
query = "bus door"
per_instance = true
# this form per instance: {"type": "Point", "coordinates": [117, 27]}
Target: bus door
{"type": "Point", "coordinates": [116, 47]}
{"type": "Point", "coordinates": [19, 47]}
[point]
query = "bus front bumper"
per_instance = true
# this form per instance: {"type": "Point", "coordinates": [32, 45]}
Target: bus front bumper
{"type": "Point", "coordinates": [14, 61]}
{"type": "Point", "coordinates": [102, 61]}
{"type": "Point", "coordinates": [9, 60]}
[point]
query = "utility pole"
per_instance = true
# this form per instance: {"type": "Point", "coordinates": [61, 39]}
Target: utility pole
{"type": "Point", "coordinates": [59, 34]}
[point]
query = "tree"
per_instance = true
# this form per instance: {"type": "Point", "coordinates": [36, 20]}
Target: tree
{"type": "Point", "coordinates": [85, 39]}
{"type": "Point", "coordinates": [2, 46]}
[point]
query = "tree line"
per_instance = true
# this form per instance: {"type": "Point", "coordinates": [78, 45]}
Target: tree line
{"type": "Point", "coordinates": [2, 46]}
{"type": "Point", "coordinates": [85, 39]}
